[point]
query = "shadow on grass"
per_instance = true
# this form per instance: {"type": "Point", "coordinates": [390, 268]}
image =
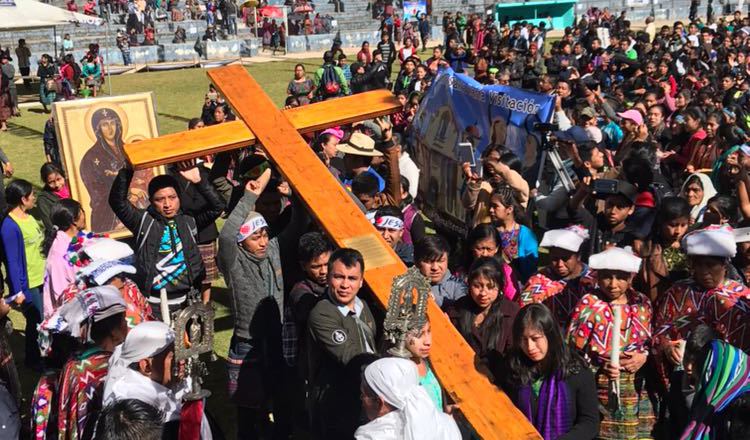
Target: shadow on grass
{"type": "Point", "coordinates": [175, 117]}
{"type": "Point", "coordinates": [23, 131]}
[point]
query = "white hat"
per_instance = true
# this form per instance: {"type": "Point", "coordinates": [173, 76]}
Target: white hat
{"type": "Point", "coordinates": [101, 271]}
{"type": "Point", "coordinates": [712, 241]}
{"type": "Point", "coordinates": [569, 238]}
{"type": "Point", "coordinates": [742, 235]}
{"type": "Point", "coordinates": [107, 249]}
{"type": "Point", "coordinates": [615, 259]}
{"type": "Point", "coordinates": [595, 134]}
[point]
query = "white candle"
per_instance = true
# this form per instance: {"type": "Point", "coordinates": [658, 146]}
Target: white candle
{"type": "Point", "coordinates": [614, 356]}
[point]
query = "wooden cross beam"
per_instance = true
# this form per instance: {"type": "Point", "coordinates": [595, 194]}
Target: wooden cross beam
{"type": "Point", "coordinates": [488, 410]}
{"type": "Point", "coordinates": [186, 145]}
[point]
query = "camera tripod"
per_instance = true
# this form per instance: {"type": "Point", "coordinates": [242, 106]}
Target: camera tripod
{"type": "Point", "coordinates": [550, 153]}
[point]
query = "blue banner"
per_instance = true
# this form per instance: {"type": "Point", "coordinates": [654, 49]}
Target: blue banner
{"type": "Point", "coordinates": [458, 109]}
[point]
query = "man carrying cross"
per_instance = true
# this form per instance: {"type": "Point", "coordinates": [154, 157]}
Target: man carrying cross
{"type": "Point", "coordinates": [167, 257]}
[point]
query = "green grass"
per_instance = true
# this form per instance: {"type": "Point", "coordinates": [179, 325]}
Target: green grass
{"type": "Point", "coordinates": [179, 97]}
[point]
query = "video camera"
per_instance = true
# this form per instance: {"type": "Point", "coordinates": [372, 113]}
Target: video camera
{"type": "Point", "coordinates": [545, 127]}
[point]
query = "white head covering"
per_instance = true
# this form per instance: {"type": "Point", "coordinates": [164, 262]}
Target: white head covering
{"type": "Point", "coordinates": [396, 381]}
{"type": "Point", "coordinates": [615, 259]}
{"type": "Point", "coordinates": [144, 341]}
{"type": "Point", "coordinates": [569, 238]}
{"type": "Point", "coordinates": [93, 305]}
{"type": "Point", "coordinates": [708, 192]}
{"type": "Point", "coordinates": [712, 241]}
{"type": "Point", "coordinates": [107, 249]}
{"type": "Point", "coordinates": [101, 271]}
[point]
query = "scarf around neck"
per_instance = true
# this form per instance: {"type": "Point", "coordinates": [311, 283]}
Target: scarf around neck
{"type": "Point", "coordinates": [551, 417]}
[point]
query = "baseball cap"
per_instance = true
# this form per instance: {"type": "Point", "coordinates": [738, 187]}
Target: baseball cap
{"type": "Point", "coordinates": [633, 115]}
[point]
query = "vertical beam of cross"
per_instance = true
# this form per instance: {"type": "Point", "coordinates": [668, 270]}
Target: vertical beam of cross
{"type": "Point", "coordinates": [488, 410]}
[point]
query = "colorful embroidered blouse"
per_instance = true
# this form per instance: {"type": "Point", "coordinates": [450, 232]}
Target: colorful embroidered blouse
{"type": "Point", "coordinates": [41, 405]}
{"type": "Point", "coordinates": [137, 307]}
{"type": "Point", "coordinates": [81, 387]}
{"type": "Point", "coordinates": [590, 330]}
{"type": "Point", "coordinates": [685, 305]}
{"type": "Point", "coordinates": [729, 315]}
{"type": "Point", "coordinates": [559, 295]}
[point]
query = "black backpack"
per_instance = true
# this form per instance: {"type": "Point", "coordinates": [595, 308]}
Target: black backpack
{"type": "Point", "coordinates": [329, 82]}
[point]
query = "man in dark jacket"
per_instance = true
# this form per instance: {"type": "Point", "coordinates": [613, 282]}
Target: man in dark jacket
{"type": "Point", "coordinates": [341, 329]}
{"type": "Point", "coordinates": [193, 203]}
{"type": "Point", "coordinates": [166, 249]}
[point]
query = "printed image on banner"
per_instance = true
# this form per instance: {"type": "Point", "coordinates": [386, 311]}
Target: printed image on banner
{"type": "Point", "coordinates": [414, 8]}
{"type": "Point", "coordinates": [458, 109]}
{"type": "Point", "coordinates": [458, 119]}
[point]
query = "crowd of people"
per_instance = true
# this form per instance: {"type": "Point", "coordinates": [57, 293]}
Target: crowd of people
{"type": "Point", "coordinates": [627, 319]}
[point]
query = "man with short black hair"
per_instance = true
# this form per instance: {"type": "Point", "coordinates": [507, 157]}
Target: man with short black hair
{"type": "Point", "coordinates": [431, 258]}
{"type": "Point", "coordinates": [341, 328]}
{"type": "Point", "coordinates": [129, 419]}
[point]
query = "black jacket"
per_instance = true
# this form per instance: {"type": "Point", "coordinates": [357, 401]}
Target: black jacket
{"type": "Point", "coordinates": [193, 203]}
{"type": "Point", "coordinates": [582, 404]}
{"type": "Point", "coordinates": [379, 76]}
{"type": "Point", "coordinates": [147, 227]}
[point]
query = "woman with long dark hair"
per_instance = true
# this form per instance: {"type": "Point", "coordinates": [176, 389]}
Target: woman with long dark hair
{"type": "Point", "coordinates": [484, 317]}
{"type": "Point", "coordinates": [484, 241]}
{"type": "Point", "coordinates": [519, 244]}
{"type": "Point", "coordinates": [68, 219]}
{"type": "Point", "coordinates": [664, 260]}
{"type": "Point", "coordinates": [55, 189]}
{"type": "Point", "coordinates": [22, 242]}
{"type": "Point", "coordinates": [549, 383]}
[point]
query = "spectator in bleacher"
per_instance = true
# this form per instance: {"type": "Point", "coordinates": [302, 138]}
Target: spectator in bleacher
{"type": "Point", "coordinates": [90, 8]}
{"type": "Point", "coordinates": [149, 36]}
{"type": "Point", "coordinates": [210, 12]}
{"type": "Point", "coordinates": [124, 45]}
{"type": "Point", "coordinates": [71, 5]}
{"type": "Point", "coordinates": [67, 44]}
{"type": "Point", "coordinates": [230, 16]}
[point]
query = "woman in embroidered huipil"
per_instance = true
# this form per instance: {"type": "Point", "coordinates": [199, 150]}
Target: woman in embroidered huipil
{"type": "Point", "coordinates": [611, 328]}
{"type": "Point", "coordinates": [703, 298]}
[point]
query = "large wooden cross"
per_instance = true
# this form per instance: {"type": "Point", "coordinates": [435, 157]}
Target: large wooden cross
{"type": "Point", "coordinates": [488, 410]}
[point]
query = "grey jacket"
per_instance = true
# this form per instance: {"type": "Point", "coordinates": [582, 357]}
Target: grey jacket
{"type": "Point", "coordinates": [449, 290]}
{"type": "Point", "coordinates": [257, 285]}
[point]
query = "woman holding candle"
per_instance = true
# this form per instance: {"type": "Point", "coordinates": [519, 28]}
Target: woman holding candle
{"type": "Point", "coordinates": [611, 328]}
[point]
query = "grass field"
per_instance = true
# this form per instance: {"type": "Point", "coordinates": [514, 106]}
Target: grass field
{"type": "Point", "coordinates": [179, 97]}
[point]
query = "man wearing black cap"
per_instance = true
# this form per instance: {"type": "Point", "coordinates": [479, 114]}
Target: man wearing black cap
{"type": "Point", "coordinates": [611, 224]}
{"type": "Point", "coordinates": [166, 251]}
